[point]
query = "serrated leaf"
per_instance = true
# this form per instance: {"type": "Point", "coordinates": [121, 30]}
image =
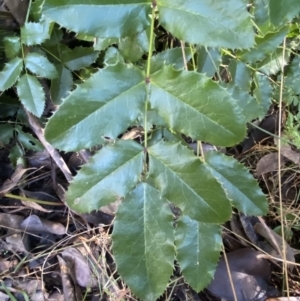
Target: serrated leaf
{"type": "Point", "coordinates": [240, 75]}
{"type": "Point", "coordinates": [6, 133]}
{"type": "Point", "coordinates": [282, 12]}
{"type": "Point", "coordinates": [264, 46]}
{"type": "Point", "coordinates": [172, 57]}
{"type": "Point", "coordinates": [208, 23]}
{"type": "Point", "coordinates": [208, 61]}
{"type": "Point", "coordinates": [263, 92]}
{"type": "Point", "coordinates": [105, 19]}
{"type": "Point", "coordinates": [31, 94]}
{"type": "Point", "coordinates": [96, 108]}
{"type": "Point", "coordinates": [40, 65]}
{"type": "Point", "coordinates": [10, 73]}
{"type": "Point", "coordinates": [35, 33]}
{"type": "Point", "coordinates": [240, 186]}
{"type": "Point", "coordinates": [12, 46]}
{"type": "Point", "coordinates": [185, 182]}
{"type": "Point", "coordinates": [198, 250]}
{"type": "Point", "coordinates": [249, 106]}
{"type": "Point", "coordinates": [293, 75]}
{"type": "Point", "coordinates": [79, 57]}
{"type": "Point", "coordinates": [143, 242]}
{"type": "Point", "coordinates": [62, 85]}
{"type": "Point", "coordinates": [109, 175]}
{"type": "Point", "coordinates": [193, 104]}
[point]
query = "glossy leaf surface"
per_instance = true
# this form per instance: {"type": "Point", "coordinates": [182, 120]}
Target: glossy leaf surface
{"type": "Point", "coordinates": [10, 73]}
{"type": "Point", "coordinates": [186, 182]}
{"type": "Point", "coordinates": [143, 242]}
{"type": "Point", "coordinates": [34, 33]}
{"type": "Point", "coordinates": [198, 250]}
{"type": "Point", "coordinates": [105, 19]}
{"type": "Point", "coordinates": [31, 94]}
{"type": "Point", "coordinates": [239, 185]}
{"type": "Point", "coordinates": [108, 176]}
{"type": "Point", "coordinates": [40, 65]}
{"type": "Point", "coordinates": [96, 108]}
{"type": "Point", "coordinates": [208, 23]}
{"type": "Point", "coordinates": [193, 104]}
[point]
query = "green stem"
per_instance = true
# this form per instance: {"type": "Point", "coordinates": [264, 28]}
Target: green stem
{"type": "Point", "coordinates": [28, 11]}
{"type": "Point", "coordinates": [22, 198]}
{"type": "Point", "coordinates": [148, 70]}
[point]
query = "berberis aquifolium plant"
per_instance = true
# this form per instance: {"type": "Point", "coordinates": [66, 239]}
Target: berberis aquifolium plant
{"type": "Point", "coordinates": [125, 81]}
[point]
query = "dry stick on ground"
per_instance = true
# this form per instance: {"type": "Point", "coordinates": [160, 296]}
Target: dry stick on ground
{"type": "Point", "coordinates": [39, 131]}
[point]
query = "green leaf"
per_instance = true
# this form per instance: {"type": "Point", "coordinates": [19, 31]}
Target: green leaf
{"type": "Point", "coordinates": [104, 106]}
{"type": "Point", "coordinates": [282, 12]}
{"type": "Point", "coordinates": [62, 85]}
{"type": "Point", "coordinates": [12, 46]}
{"type": "Point", "coordinates": [31, 94]}
{"type": "Point", "coordinates": [198, 250]}
{"type": "Point", "coordinates": [109, 175]}
{"type": "Point", "coordinates": [79, 57]}
{"type": "Point", "coordinates": [240, 186]}
{"type": "Point", "coordinates": [40, 65]}
{"type": "Point", "coordinates": [6, 133]}
{"type": "Point", "coordinates": [208, 61]}
{"type": "Point", "coordinates": [143, 242]}
{"type": "Point", "coordinates": [104, 19]}
{"type": "Point", "coordinates": [293, 75]}
{"type": "Point", "coordinates": [240, 75]}
{"type": "Point", "coordinates": [263, 92]}
{"type": "Point", "coordinates": [172, 57]}
{"type": "Point", "coordinates": [35, 33]}
{"type": "Point", "coordinates": [193, 104]}
{"type": "Point", "coordinates": [28, 141]}
{"type": "Point", "coordinates": [10, 73]}
{"type": "Point", "coordinates": [185, 182]}
{"type": "Point", "coordinates": [264, 46]}
{"type": "Point", "coordinates": [208, 23]}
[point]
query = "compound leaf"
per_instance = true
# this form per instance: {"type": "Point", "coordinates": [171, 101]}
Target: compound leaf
{"type": "Point", "coordinates": [10, 73]}
{"type": "Point", "coordinates": [240, 186]}
{"type": "Point", "coordinates": [109, 175]}
{"type": "Point", "coordinates": [208, 23]}
{"type": "Point", "coordinates": [198, 250]}
{"type": "Point", "coordinates": [193, 104]}
{"type": "Point", "coordinates": [40, 65]}
{"type": "Point", "coordinates": [104, 19]}
{"type": "Point", "coordinates": [96, 109]}
{"type": "Point", "coordinates": [187, 183]}
{"type": "Point", "coordinates": [31, 94]}
{"type": "Point", "coordinates": [35, 33]}
{"type": "Point", "coordinates": [143, 242]}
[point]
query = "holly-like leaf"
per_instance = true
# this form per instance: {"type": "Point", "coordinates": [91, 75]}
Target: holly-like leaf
{"type": "Point", "coordinates": [240, 186]}
{"type": "Point", "coordinates": [79, 57]}
{"type": "Point", "coordinates": [104, 106]}
{"type": "Point", "coordinates": [12, 46]}
{"type": "Point", "coordinates": [240, 75]}
{"type": "Point", "coordinates": [187, 183]}
{"type": "Point", "coordinates": [282, 12]}
{"type": "Point", "coordinates": [143, 242]}
{"type": "Point", "coordinates": [6, 133]}
{"type": "Point", "coordinates": [104, 19]}
{"type": "Point", "coordinates": [108, 176]}
{"type": "Point", "coordinates": [264, 46]}
{"type": "Point", "coordinates": [263, 93]}
{"type": "Point", "coordinates": [208, 23]}
{"type": "Point", "coordinates": [193, 104]}
{"type": "Point", "coordinates": [198, 250]}
{"type": "Point", "coordinates": [208, 61]}
{"type": "Point", "coordinates": [293, 75]}
{"type": "Point", "coordinates": [62, 85]}
{"type": "Point", "coordinates": [31, 94]}
{"type": "Point", "coordinates": [35, 33]}
{"type": "Point", "coordinates": [10, 73]}
{"type": "Point", "coordinates": [40, 65]}
{"type": "Point", "coordinates": [28, 141]}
